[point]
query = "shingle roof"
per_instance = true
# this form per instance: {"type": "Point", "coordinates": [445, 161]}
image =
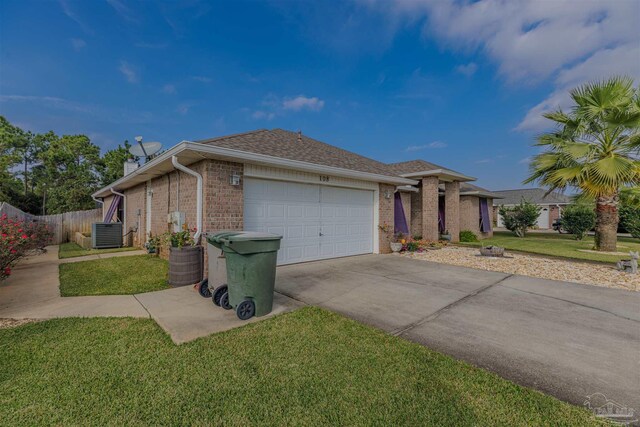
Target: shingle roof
{"type": "Point", "coordinates": [419, 165]}
{"type": "Point", "coordinates": [286, 144]}
{"type": "Point", "coordinates": [533, 195]}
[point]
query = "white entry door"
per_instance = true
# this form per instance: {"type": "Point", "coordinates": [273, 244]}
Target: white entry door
{"type": "Point", "coordinates": [316, 222]}
{"type": "Point", "coordinates": [543, 219]}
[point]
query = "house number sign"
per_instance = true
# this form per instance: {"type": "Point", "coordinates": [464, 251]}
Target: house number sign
{"type": "Point", "coordinates": [324, 178]}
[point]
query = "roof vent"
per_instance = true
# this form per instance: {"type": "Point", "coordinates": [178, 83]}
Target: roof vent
{"type": "Point", "coordinates": [299, 136]}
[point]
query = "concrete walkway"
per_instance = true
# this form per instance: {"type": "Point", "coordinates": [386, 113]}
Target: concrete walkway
{"type": "Point", "coordinates": [564, 339]}
{"type": "Point", "coordinates": [33, 292]}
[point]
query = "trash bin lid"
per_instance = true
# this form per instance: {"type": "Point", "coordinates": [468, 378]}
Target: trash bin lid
{"type": "Point", "coordinates": [215, 237]}
{"type": "Point", "coordinates": [252, 235]}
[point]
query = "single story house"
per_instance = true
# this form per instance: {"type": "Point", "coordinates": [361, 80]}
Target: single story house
{"type": "Point", "coordinates": [551, 204]}
{"type": "Point", "coordinates": [327, 202]}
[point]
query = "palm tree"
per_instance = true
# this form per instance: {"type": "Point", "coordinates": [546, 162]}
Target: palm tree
{"type": "Point", "coordinates": [594, 149]}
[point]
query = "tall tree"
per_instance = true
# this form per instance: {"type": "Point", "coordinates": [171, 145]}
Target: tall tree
{"type": "Point", "coordinates": [112, 164]}
{"type": "Point", "coordinates": [595, 149]}
{"type": "Point", "coordinates": [71, 166]}
{"type": "Point", "coordinates": [10, 138]}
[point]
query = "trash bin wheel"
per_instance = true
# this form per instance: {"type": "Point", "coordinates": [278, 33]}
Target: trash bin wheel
{"type": "Point", "coordinates": [203, 289]}
{"type": "Point", "coordinates": [246, 309]}
{"type": "Point", "coordinates": [217, 294]}
{"type": "Point", "coordinates": [224, 301]}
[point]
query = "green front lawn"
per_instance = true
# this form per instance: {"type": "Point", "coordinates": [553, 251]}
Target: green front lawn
{"type": "Point", "coordinates": [309, 367]}
{"type": "Point", "coordinates": [72, 250]}
{"type": "Point", "coordinates": [114, 276]}
{"type": "Point", "coordinates": [560, 245]}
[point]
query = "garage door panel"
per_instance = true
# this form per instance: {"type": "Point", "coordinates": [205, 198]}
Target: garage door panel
{"type": "Point", "coordinates": [301, 212]}
{"type": "Point", "coordinates": [275, 212]}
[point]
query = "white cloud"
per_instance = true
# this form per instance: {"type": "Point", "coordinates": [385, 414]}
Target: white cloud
{"type": "Point", "coordinates": [122, 10]}
{"type": "Point", "coordinates": [434, 144]}
{"type": "Point", "coordinates": [68, 10]}
{"type": "Point", "coordinates": [184, 108]}
{"type": "Point", "coordinates": [260, 115]}
{"type": "Point", "coordinates": [467, 69]}
{"type": "Point", "coordinates": [569, 42]}
{"type": "Point", "coordinates": [129, 73]}
{"type": "Point", "coordinates": [78, 44]}
{"type": "Point", "coordinates": [111, 114]}
{"type": "Point", "coordinates": [145, 45]}
{"type": "Point", "coordinates": [169, 89]}
{"type": "Point", "coordinates": [483, 161]}
{"type": "Point", "coordinates": [301, 102]}
{"type": "Point", "coordinates": [623, 60]}
{"type": "Point", "coordinates": [525, 161]}
{"type": "Point", "coordinates": [202, 79]}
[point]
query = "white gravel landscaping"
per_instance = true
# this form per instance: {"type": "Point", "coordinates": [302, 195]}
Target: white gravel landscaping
{"type": "Point", "coordinates": [534, 266]}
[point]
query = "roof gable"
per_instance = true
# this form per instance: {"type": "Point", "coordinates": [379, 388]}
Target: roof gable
{"type": "Point", "coordinates": [532, 195]}
{"type": "Point", "coordinates": [294, 146]}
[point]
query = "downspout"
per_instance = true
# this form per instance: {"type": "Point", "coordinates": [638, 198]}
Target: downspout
{"type": "Point", "coordinates": [124, 208]}
{"type": "Point", "coordinates": [98, 201]}
{"type": "Point", "coordinates": [185, 169]}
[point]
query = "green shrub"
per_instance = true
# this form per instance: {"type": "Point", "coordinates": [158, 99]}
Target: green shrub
{"type": "Point", "coordinates": [518, 219]}
{"type": "Point", "coordinates": [468, 236]}
{"type": "Point", "coordinates": [630, 219]}
{"type": "Point", "coordinates": [577, 219]}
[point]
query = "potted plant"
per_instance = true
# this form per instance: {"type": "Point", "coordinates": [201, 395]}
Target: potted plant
{"type": "Point", "coordinates": [399, 239]}
{"type": "Point", "coordinates": [446, 236]}
{"type": "Point", "coordinates": [185, 258]}
{"type": "Point", "coordinates": [153, 245]}
{"type": "Point", "coordinates": [387, 229]}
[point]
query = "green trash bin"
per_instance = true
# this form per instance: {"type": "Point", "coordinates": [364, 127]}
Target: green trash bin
{"type": "Point", "coordinates": [251, 272]}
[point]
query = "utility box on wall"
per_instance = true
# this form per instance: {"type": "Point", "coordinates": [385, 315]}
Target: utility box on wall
{"type": "Point", "coordinates": [176, 219]}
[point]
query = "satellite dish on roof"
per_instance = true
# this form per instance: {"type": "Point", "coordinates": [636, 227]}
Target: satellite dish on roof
{"type": "Point", "coordinates": [145, 149]}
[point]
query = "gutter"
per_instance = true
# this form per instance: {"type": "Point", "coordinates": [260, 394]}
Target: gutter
{"type": "Point", "coordinates": [480, 194]}
{"type": "Point", "coordinates": [177, 165]}
{"type": "Point", "coordinates": [96, 200]}
{"type": "Point", "coordinates": [124, 207]}
{"type": "Point", "coordinates": [446, 173]}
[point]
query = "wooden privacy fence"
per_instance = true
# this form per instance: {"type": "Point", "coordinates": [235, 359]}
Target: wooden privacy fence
{"type": "Point", "coordinates": [63, 225]}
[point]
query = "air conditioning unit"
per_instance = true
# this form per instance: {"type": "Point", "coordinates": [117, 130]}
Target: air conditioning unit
{"type": "Point", "coordinates": [106, 235]}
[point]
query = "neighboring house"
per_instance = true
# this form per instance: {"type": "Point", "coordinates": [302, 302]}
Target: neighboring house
{"type": "Point", "coordinates": [327, 202]}
{"type": "Point", "coordinates": [551, 204]}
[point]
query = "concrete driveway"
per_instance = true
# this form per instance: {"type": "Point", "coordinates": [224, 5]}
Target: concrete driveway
{"type": "Point", "coordinates": [564, 339]}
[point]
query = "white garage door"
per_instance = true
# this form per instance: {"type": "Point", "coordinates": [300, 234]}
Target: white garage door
{"type": "Point", "coordinates": [316, 222]}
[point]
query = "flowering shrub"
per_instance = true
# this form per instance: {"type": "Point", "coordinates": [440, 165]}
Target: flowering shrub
{"type": "Point", "coordinates": [18, 239]}
{"type": "Point", "coordinates": [420, 245]}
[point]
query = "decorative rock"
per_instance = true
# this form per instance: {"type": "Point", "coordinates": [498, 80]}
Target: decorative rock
{"type": "Point", "coordinates": [495, 251]}
{"type": "Point", "coordinates": [629, 265]}
{"type": "Point", "coordinates": [535, 266]}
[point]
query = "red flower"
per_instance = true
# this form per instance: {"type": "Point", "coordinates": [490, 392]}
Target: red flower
{"type": "Point", "coordinates": [24, 236]}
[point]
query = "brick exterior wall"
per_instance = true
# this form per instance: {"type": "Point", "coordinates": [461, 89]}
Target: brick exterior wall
{"type": "Point", "coordinates": [416, 214]}
{"type": "Point", "coordinates": [470, 215]}
{"type": "Point", "coordinates": [105, 206]}
{"type": "Point", "coordinates": [452, 209]}
{"type": "Point", "coordinates": [554, 214]}
{"type": "Point", "coordinates": [406, 207]}
{"type": "Point", "coordinates": [430, 208]}
{"type": "Point", "coordinates": [385, 215]}
{"type": "Point", "coordinates": [136, 200]}
{"type": "Point", "coordinates": [223, 202]}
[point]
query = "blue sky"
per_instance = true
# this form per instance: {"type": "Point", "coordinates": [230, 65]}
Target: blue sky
{"type": "Point", "coordinates": [461, 84]}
